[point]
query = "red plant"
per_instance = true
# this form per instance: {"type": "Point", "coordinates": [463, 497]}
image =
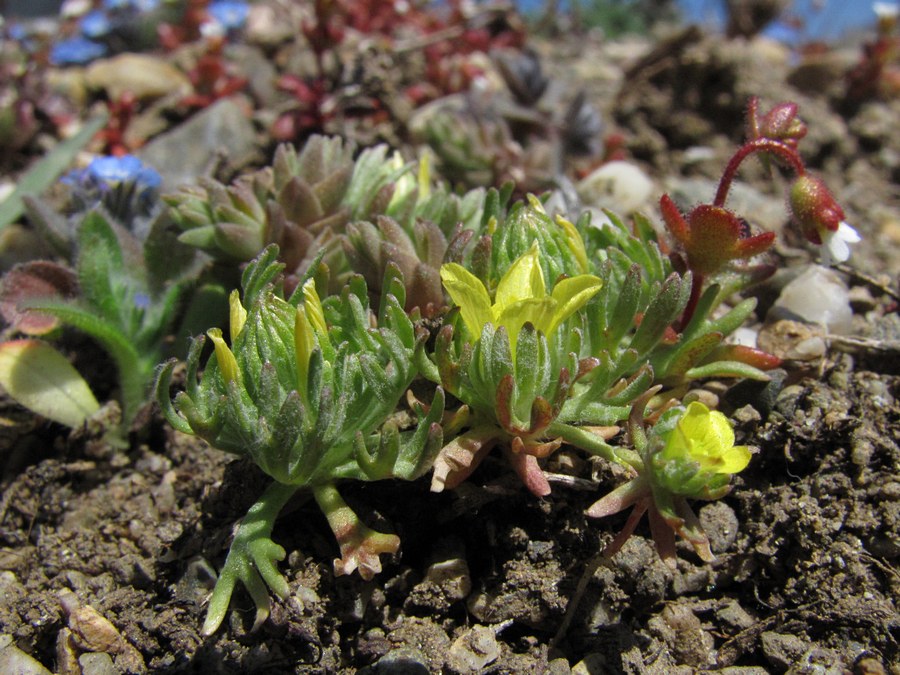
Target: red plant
{"type": "Point", "coordinates": [188, 29]}
{"type": "Point", "coordinates": [121, 112]}
{"type": "Point", "coordinates": [212, 78]}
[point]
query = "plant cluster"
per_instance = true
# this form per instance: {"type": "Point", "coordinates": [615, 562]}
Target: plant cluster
{"type": "Point", "coordinates": [114, 273]}
{"type": "Point", "coordinates": [369, 285]}
{"type": "Point", "coordinates": [529, 134]}
{"type": "Point", "coordinates": [554, 333]}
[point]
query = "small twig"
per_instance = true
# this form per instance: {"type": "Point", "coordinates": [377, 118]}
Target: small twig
{"type": "Point", "coordinates": [571, 481]}
{"type": "Point", "coordinates": [886, 347]}
{"type": "Point", "coordinates": [869, 280]}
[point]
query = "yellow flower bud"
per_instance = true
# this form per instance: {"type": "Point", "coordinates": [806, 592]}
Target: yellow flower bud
{"type": "Point", "coordinates": [313, 306]}
{"type": "Point", "coordinates": [224, 357]}
{"type": "Point", "coordinates": [304, 344]}
{"type": "Point", "coordinates": [238, 315]}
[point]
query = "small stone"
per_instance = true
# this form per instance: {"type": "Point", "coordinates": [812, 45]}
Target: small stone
{"type": "Point", "coordinates": [223, 127]}
{"type": "Point", "coordinates": [793, 340]}
{"type": "Point", "coordinates": [781, 650]}
{"type": "Point", "coordinates": [591, 664]}
{"type": "Point", "coordinates": [691, 645]}
{"type": "Point", "coordinates": [818, 296]}
{"type": "Point", "coordinates": [558, 667]}
{"type": "Point", "coordinates": [618, 186]}
{"type": "Point", "coordinates": [452, 577]}
{"type": "Point", "coordinates": [735, 616]}
{"type": "Point", "coordinates": [144, 76]}
{"type": "Point", "coordinates": [473, 650]}
{"type": "Point", "coordinates": [721, 525]}
{"type": "Point", "coordinates": [401, 661]}
{"type": "Point", "coordinates": [14, 660]}
{"type": "Point", "coordinates": [94, 663]}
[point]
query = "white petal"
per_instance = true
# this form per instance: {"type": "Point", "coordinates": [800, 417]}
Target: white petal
{"type": "Point", "coordinates": [885, 10]}
{"type": "Point", "coordinates": [848, 234]}
{"type": "Point", "coordinates": [836, 245]}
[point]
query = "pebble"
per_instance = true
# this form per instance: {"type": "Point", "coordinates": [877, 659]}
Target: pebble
{"type": "Point", "coordinates": [143, 75]}
{"type": "Point", "coordinates": [721, 525]}
{"type": "Point", "coordinates": [818, 296]}
{"type": "Point", "coordinates": [619, 186]}
{"type": "Point", "coordinates": [221, 128]}
{"type": "Point", "coordinates": [97, 663]}
{"type": "Point", "coordinates": [452, 577]}
{"type": "Point", "coordinates": [14, 660]}
{"type": "Point", "coordinates": [782, 650]}
{"type": "Point", "coordinates": [473, 650]}
{"type": "Point", "coordinates": [792, 340]}
{"type": "Point", "coordinates": [400, 661]}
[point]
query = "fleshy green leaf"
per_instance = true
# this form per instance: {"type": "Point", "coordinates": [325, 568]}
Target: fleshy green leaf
{"type": "Point", "coordinates": [41, 379]}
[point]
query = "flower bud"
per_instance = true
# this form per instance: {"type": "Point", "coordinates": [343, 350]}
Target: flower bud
{"type": "Point", "coordinates": [224, 357]}
{"type": "Point", "coordinates": [779, 124]}
{"type": "Point", "coordinates": [821, 218]}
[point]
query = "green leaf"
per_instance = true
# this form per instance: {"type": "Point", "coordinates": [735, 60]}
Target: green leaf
{"type": "Point", "coordinates": [41, 379]}
{"type": "Point", "coordinates": [727, 369]}
{"type": "Point", "coordinates": [44, 172]}
{"type": "Point", "coordinates": [100, 265]}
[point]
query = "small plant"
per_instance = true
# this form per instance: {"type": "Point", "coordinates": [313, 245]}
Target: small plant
{"type": "Point", "coordinates": [125, 289]}
{"type": "Point", "coordinates": [557, 333]}
{"type": "Point", "coordinates": [362, 214]}
{"type": "Point", "coordinates": [307, 391]}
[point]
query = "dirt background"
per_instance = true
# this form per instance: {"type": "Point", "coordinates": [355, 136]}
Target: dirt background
{"type": "Point", "coordinates": [107, 556]}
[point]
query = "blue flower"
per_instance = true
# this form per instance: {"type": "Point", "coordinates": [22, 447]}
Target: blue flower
{"type": "Point", "coordinates": [145, 5]}
{"type": "Point", "coordinates": [111, 171]}
{"type": "Point", "coordinates": [229, 14]}
{"type": "Point", "coordinates": [95, 24]}
{"type": "Point", "coordinates": [76, 50]}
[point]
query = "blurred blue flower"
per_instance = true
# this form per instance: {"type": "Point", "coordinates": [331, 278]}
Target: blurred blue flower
{"type": "Point", "coordinates": [95, 24]}
{"type": "Point", "coordinates": [229, 14]}
{"type": "Point", "coordinates": [76, 50]}
{"type": "Point", "coordinates": [145, 5]}
{"type": "Point", "coordinates": [125, 186]}
{"type": "Point", "coordinates": [17, 32]}
{"type": "Point", "coordinates": [111, 171]}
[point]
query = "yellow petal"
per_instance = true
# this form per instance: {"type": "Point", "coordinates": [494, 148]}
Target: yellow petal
{"type": "Point", "coordinates": [571, 295]}
{"type": "Point", "coordinates": [238, 315]}
{"type": "Point", "coordinates": [304, 344]}
{"type": "Point", "coordinates": [735, 460]}
{"type": "Point", "coordinates": [224, 356]}
{"type": "Point", "coordinates": [469, 294]}
{"type": "Point", "coordinates": [313, 307]}
{"type": "Point", "coordinates": [524, 279]}
{"type": "Point", "coordinates": [536, 311]}
{"type": "Point", "coordinates": [575, 242]}
{"type": "Point", "coordinates": [707, 438]}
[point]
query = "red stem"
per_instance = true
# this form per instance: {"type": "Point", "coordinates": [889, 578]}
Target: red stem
{"type": "Point", "coordinates": [778, 148]}
{"type": "Point", "coordinates": [689, 309]}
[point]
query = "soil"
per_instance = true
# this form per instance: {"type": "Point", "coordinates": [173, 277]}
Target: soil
{"type": "Point", "coordinates": [107, 556]}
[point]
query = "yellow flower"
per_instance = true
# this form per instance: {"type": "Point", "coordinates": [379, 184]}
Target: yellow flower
{"type": "Point", "coordinates": [706, 438]}
{"type": "Point", "coordinates": [521, 297]}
